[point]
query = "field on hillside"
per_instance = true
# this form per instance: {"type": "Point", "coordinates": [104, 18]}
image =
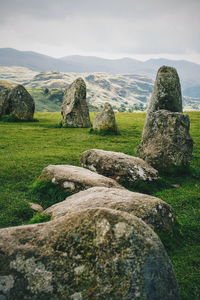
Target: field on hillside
{"type": "Point", "coordinates": [26, 148]}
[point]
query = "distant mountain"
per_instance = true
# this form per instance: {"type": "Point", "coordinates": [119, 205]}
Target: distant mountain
{"type": "Point", "coordinates": [35, 61]}
{"type": "Point", "coordinates": [189, 72]}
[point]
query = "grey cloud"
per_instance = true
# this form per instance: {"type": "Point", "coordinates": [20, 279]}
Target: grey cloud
{"type": "Point", "coordinates": [109, 26]}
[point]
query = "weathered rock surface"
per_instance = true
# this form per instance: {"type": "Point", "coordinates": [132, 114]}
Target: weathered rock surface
{"type": "Point", "coordinates": [90, 254]}
{"type": "Point", "coordinates": [167, 91]}
{"type": "Point", "coordinates": [151, 210]}
{"type": "Point", "coordinates": [75, 111]}
{"type": "Point", "coordinates": [75, 179]}
{"type": "Point", "coordinates": [125, 169]}
{"type": "Point", "coordinates": [166, 141]}
{"type": "Point", "coordinates": [15, 100]}
{"type": "Point", "coordinates": [105, 121]}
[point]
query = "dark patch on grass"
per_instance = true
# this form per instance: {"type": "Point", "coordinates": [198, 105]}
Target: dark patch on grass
{"type": "Point", "coordinates": [149, 187]}
{"type": "Point", "coordinates": [13, 119]}
{"type": "Point", "coordinates": [46, 193]}
{"type": "Point", "coordinates": [16, 214]}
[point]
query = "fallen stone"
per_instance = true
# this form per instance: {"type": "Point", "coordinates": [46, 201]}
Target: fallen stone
{"type": "Point", "coordinates": [74, 179]}
{"type": "Point", "coordinates": [125, 169]}
{"type": "Point", "coordinates": [151, 210]}
{"type": "Point", "coordinates": [36, 207]}
{"type": "Point", "coordinates": [175, 186]}
{"type": "Point", "coordinates": [75, 111]}
{"type": "Point", "coordinates": [85, 255]}
{"type": "Point", "coordinates": [104, 121]}
{"type": "Point", "coordinates": [16, 101]}
{"type": "Point", "coordinates": [166, 142]}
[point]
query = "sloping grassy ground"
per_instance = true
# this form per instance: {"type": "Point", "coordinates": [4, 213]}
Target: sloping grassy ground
{"type": "Point", "coordinates": [26, 148]}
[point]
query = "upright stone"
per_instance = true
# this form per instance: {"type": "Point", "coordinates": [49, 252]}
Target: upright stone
{"type": "Point", "coordinates": [15, 100]}
{"type": "Point", "coordinates": [167, 91]}
{"type": "Point", "coordinates": [105, 121]}
{"type": "Point", "coordinates": [75, 111]}
{"type": "Point", "coordinates": [166, 141]}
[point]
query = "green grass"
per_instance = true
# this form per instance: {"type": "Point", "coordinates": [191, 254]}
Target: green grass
{"type": "Point", "coordinates": [26, 148]}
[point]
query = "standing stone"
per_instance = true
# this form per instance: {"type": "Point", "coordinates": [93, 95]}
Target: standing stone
{"type": "Point", "coordinates": [15, 100]}
{"type": "Point", "coordinates": [167, 91]}
{"type": "Point", "coordinates": [104, 121]}
{"type": "Point", "coordinates": [166, 141]}
{"type": "Point", "coordinates": [75, 111]}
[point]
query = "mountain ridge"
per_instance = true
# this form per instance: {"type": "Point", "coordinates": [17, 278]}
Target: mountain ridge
{"type": "Point", "coordinates": [189, 72]}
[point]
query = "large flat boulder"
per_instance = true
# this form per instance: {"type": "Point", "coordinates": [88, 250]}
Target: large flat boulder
{"type": "Point", "coordinates": [74, 179]}
{"type": "Point", "coordinates": [151, 210]}
{"type": "Point", "coordinates": [16, 101]}
{"type": "Point", "coordinates": [166, 142]}
{"type": "Point", "coordinates": [75, 112]}
{"type": "Point", "coordinates": [90, 254]}
{"type": "Point", "coordinates": [125, 169]}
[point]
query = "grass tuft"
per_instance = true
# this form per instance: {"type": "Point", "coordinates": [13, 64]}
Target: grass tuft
{"type": "Point", "coordinates": [39, 217]}
{"type": "Point", "coordinates": [46, 193]}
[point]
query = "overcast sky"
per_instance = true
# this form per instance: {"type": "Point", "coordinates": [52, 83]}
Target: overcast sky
{"type": "Point", "coordinates": [107, 28]}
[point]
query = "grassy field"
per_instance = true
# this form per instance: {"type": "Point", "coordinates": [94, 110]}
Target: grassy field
{"type": "Point", "coordinates": [26, 148]}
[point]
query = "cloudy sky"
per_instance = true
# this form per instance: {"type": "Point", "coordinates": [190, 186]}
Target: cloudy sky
{"type": "Point", "coordinates": [108, 28]}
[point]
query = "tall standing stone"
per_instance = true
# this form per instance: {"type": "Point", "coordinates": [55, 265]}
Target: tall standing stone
{"type": "Point", "coordinates": [15, 100]}
{"type": "Point", "coordinates": [167, 91]}
{"type": "Point", "coordinates": [105, 121]}
{"type": "Point", "coordinates": [75, 111]}
{"type": "Point", "coordinates": [166, 141]}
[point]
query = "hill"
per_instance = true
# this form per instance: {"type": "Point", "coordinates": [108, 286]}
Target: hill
{"type": "Point", "coordinates": [189, 72]}
{"type": "Point", "coordinates": [125, 92]}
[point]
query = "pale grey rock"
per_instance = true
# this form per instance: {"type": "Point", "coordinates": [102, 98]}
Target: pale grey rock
{"type": "Point", "coordinates": [36, 207]}
{"type": "Point", "coordinates": [74, 179]}
{"type": "Point", "coordinates": [151, 210]}
{"type": "Point", "coordinates": [104, 121]}
{"type": "Point", "coordinates": [166, 142]}
{"type": "Point", "coordinates": [125, 169]}
{"type": "Point", "coordinates": [15, 100]}
{"type": "Point", "coordinates": [106, 246]}
{"type": "Point", "coordinates": [75, 111]}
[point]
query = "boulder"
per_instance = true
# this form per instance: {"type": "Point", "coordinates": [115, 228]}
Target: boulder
{"type": "Point", "coordinates": [15, 100]}
{"type": "Point", "coordinates": [104, 121]}
{"type": "Point", "coordinates": [151, 210]}
{"type": "Point", "coordinates": [167, 91]}
{"type": "Point", "coordinates": [125, 169]}
{"type": "Point", "coordinates": [75, 111]}
{"type": "Point", "coordinates": [166, 142]}
{"type": "Point", "coordinates": [74, 179]}
{"type": "Point", "coordinates": [89, 254]}
{"type": "Point", "coordinates": [36, 207]}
